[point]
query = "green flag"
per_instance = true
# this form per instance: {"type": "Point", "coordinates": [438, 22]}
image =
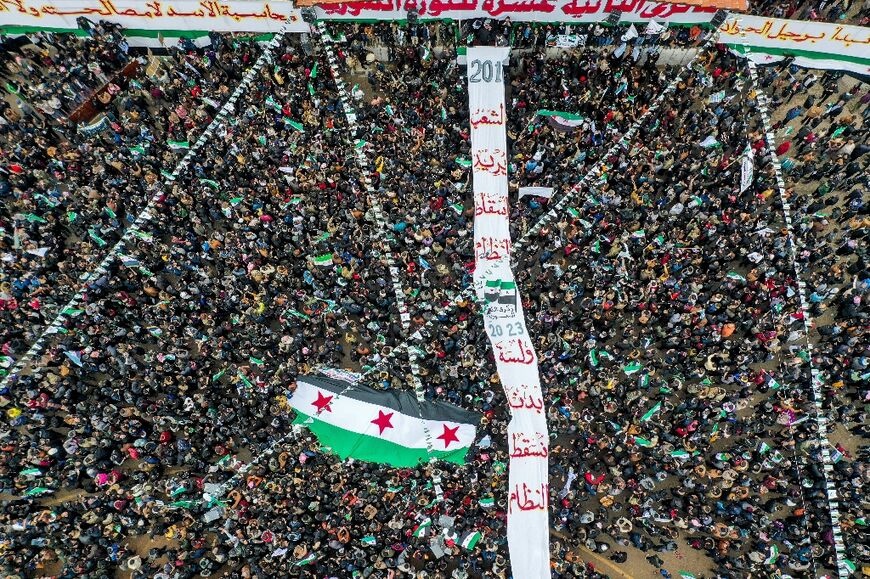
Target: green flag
{"type": "Point", "coordinates": [642, 441]}
{"type": "Point", "coordinates": [100, 241]}
{"type": "Point", "coordinates": [651, 412]}
{"type": "Point", "coordinates": [423, 528]}
{"type": "Point", "coordinates": [314, 70]}
{"type": "Point", "coordinates": [298, 126]}
{"type": "Point", "coordinates": [245, 380]}
{"type": "Point", "coordinates": [324, 260]}
{"type": "Point", "coordinates": [631, 368]}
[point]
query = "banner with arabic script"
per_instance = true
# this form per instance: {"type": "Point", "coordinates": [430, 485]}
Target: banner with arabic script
{"type": "Point", "coordinates": [187, 15]}
{"type": "Point", "coordinates": [515, 358]}
{"type": "Point", "coordinates": [812, 44]}
{"type": "Point", "coordinates": [578, 11]}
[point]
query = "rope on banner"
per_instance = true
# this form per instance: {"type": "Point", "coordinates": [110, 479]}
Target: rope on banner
{"type": "Point", "coordinates": [816, 380]}
{"type": "Point", "coordinates": [377, 212]}
{"type": "Point", "coordinates": [87, 278]}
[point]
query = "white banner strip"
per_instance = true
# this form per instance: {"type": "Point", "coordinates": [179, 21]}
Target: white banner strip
{"type": "Point", "coordinates": [226, 16]}
{"type": "Point", "coordinates": [570, 11]}
{"type": "Point", "coordinates": [816, 380]}
{"type": "Point", "coordinates": [813, 44]}
{"type": "Point", "coordinates": [528, 529]}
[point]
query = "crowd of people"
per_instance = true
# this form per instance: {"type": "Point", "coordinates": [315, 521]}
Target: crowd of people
{"type": "Point", "coordinates": [664, 308]}
{"type": "Point", "coordinates": [845, 12]}
{"type": "Point", "coordinates": [70, 190]}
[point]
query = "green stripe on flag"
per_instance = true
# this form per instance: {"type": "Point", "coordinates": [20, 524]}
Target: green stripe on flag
{"type": "Point", "coordinates": [631, 368]}
{"type": "Point", "coordinates": [470, 540]}
{"type": "Point", "coordinates": [322, 260]}
{"type": "Point", "coordinates": [642, 441]}
{"type": "Point", "coordinates": [308, 560]}
{"type": "Point", "coordinates": [100, 241]}
{"type": "Point", "coordinates": [421, 529]}
{"type": "Point", "coordinates": [175, 145]}
{"type": "Point", "coordinates": [346, 443]}
{"type": "Point", "coordinates": [565, 115]}
{"type": "Point", "coordinates": [298, 126]}
{"type": "Point", "coordinates": [651, 412]}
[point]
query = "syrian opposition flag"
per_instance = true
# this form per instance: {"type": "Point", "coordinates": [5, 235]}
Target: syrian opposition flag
{"type": "Point", "coordinates": [423, 527]}
{"type": "Point", "coordinates": [711, 142]}
{"type": "Point", "coordinates": [385, 427]}
{"type": "Point", "coordinates": [308, 560]}
{"type": "Point", "coordinates": [324, 260]}
{"type": "Point", "coordinates": [470, 539]}
{"type": "Point", "coordinates": [175, 145]}
{"type": "Point", "coordinates": [560, 120]}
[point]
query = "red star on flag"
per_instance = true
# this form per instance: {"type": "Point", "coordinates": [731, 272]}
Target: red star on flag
{"type": "Point", "coordinates": [323, 402]}
{"type": "Point", "coordinates": [383, 420]}
{"type": "Point", "coordinates": [449, 435]}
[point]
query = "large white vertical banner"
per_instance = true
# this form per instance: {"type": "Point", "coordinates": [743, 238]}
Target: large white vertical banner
{"type": "Point", "coordinates": [515, 357]}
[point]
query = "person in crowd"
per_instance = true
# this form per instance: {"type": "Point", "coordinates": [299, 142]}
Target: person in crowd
{"type": "Point", "coordinates": [152, 434]}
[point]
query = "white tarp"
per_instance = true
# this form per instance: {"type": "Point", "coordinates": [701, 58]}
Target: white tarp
{"type": "Point", "coordinates": [515, 358]}
{"type": "Point", "coordinates": [189, 15]}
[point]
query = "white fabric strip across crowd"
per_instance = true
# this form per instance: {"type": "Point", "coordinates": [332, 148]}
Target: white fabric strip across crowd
{"type": "Point", "coordinates": [516, 361]}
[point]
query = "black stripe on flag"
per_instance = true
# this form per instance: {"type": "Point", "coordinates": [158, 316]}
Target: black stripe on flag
{"type": "Point", "coordinates": [399, 400]}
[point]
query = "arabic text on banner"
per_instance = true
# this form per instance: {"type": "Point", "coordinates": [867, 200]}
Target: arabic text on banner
{"type": "Point", "coordinates": [515, 357]}
{"type": "Point", "coordinates": [813, 44]}
{"type": "Point", "coordinates": [228, 16]}
{"type": "Point", "coordinates": [523, 11]}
